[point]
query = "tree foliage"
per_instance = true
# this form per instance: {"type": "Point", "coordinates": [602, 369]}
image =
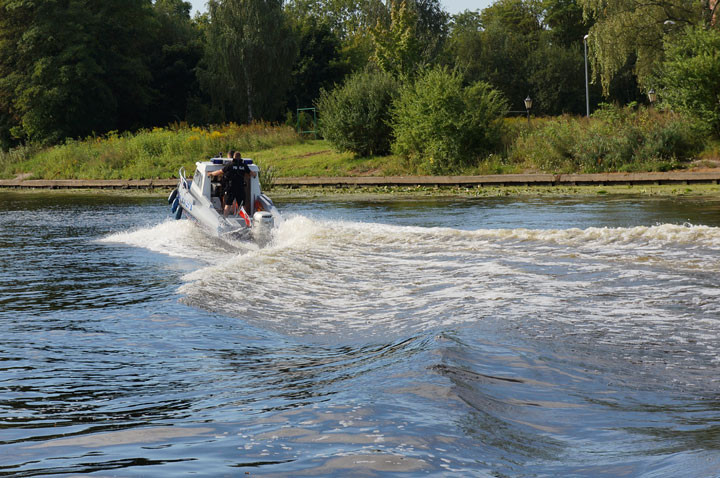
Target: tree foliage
{"type": "Point", "coordinates": [177, 50]}
{"type": "Point", "coordinates": [689, 80]}
{"type": "Point", "coordinates": [556, 79]}
{"type": "Point", "coordinates": [397, 47]}
{"type": "Point", "coordinates": [355, 116]}
{"type": "Point", "coordinates": [509, 46]}
{"type": "Point", "coordinates": [73, 67]}
{"type": "Point", "coordinates": [318, 65]}
{"type": "Point", "coordinates": [346, 18]}
{"type": "Point", "coordinates": [249, 54]}
{"type": "Point", "coordinates": [565, 21]}
{"type": "Point", "coordinates": [632, 30]}
{"type": "Point", "coordinates": [413, 35]}
{"type": "Point", "coordinates": [444, 126]}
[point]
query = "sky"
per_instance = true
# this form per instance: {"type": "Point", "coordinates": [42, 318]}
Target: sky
{"type": "Point", "coordinates": [451, 6]}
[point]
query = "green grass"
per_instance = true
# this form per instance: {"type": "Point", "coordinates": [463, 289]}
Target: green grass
{"type": "Point", "coordinates": [710, 156]}
{"type": "Point", "coordinates": [147, 154]}
{"type": "Point", "coordinates": [317, 158]}
{"type": "Point", "coordinates": [160, 152]}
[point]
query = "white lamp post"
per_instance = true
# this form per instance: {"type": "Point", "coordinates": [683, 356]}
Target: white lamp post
{"type": "Point", "coordinates": [528, 105]}
{"type": "Point", "coordinates": [587, 89]}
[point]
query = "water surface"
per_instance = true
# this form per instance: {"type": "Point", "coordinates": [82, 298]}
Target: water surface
{"type": "Point", "coordinates": [489, 337]}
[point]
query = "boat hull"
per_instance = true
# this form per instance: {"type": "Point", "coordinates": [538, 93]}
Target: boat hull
{"type": "Point", "coordinates": [204, 209]}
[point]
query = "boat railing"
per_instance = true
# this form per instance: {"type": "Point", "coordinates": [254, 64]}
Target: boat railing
{"type": "Point", "coordinates": [183, 181]}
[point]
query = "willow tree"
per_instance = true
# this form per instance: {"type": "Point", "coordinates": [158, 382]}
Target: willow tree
{"type": "Point", "coordinates": [249, 57]}
{"type": "Point", "coordinates": [627, 30]}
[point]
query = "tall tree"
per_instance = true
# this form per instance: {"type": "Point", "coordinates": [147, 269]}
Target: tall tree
{"type": "Point", "coordinates": [633, 29]}
{"type": "Point", "coordinates": [496, 45]}
{"type": "Point", "coordinates": [464, 44]}
{"type": "Point", "coordinates": [556, 79]}
{"type": "Point", "coordinates": [347, 18]}
{"type": "Point", "coordinates": [354, 20]}
{"type": "Point", "coordinates": [249, 54]}
{"type": "Point", "coordinates": [318, 64]}
{"type": "Point", "coordinates": [521, 17]}
{"type": "Point", "coordinates": [13, 22]}
{"type": "Point", "coordinates": [528, 47]}
{"type": "Point", "coordinates": [75, 66]}
{"type": "Point", "coordinates": [565, 20]}
{"type": "Point", "coordinates": [397, 49]}
{"type": "Point", "coordinates": [432, 28]}
{"type": "Point", "coordinates": [177, 50]}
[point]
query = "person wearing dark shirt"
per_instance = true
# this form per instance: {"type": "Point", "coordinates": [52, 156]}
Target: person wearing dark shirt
{"type": "Point", "coordinates": [233, 177]}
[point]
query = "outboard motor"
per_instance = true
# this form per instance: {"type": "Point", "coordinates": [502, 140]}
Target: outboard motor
{"type": "Point", "coordinates": [263, 223]}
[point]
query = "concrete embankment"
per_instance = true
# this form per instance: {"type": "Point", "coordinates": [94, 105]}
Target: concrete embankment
{"type": "Point", "coordinates": [600, 179]}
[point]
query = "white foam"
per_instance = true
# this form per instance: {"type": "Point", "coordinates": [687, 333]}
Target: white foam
{"type": "Point", "coordinates": [174, 238]}
{"type": "Point", "coordinates": [339, 277]}
{"type": "Point", "coordinates": [335, 278]}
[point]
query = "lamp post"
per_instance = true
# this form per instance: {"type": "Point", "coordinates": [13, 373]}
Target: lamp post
{"type": "Point", "coordinates": [528, 105]}
{"type": "Point", "coordinates": [587, 89]}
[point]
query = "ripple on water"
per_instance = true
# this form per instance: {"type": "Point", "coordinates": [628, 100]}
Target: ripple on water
{"type": "Point", "coordinates": [348, 347]}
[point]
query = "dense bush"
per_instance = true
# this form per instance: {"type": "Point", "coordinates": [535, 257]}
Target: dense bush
{"type": "Point", "coordinates": [442, 126]}
{"type": "Point", "coordinates": [690, 76]}
{"type": "Point", "coordinates": [614, 139]}
{"type": "Point", "coordinates": [355, 115]}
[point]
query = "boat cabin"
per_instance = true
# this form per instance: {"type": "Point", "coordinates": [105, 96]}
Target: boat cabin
{"type": "Point", "coordinates": [211, 187]}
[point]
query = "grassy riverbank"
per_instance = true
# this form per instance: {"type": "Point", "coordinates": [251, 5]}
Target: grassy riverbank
{"type": "Point", "coordinates": [147, 154]}
{"type": "Point", "coordinates": [159, 153]}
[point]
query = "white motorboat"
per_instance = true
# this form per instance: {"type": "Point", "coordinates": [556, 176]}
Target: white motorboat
{"type": "Point", "coordinates": [200, 200]}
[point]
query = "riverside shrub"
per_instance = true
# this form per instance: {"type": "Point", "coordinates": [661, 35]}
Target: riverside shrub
{"type": "Point", "coordinates": [613, 139]}
{"type": "Point", "coordinates": [442, 126]}
{"type": "Point", "coordinates": [355, 115]}
{"type": "Point", "coordinates": [689, 78]}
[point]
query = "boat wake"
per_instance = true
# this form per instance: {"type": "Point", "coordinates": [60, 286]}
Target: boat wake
{"type": "Point", "coordinates": [332, 279]}
{"type": "Point", "coordinates": [181, 239]}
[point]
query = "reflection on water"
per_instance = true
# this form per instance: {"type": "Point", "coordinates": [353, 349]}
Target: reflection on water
{"type": "Point", "coordinates": [494, 337]}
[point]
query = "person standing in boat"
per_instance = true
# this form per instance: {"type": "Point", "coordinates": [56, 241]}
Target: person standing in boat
{"type": "Point", "coordinates": [233, 177]}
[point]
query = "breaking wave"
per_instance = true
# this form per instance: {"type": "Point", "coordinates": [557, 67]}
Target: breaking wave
{"type": "Point", "coordinates": [342, 278]}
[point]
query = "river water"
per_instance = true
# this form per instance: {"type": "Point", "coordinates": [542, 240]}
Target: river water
{"type": "Point", "coordinates": [436, 337]}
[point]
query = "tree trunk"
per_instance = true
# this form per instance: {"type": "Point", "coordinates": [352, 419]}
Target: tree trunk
{"type": "Point", "coordinates": [248, 88]}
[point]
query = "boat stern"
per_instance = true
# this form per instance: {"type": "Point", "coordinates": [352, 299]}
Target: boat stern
{"type": "Point", "coordinates": [263, 224]}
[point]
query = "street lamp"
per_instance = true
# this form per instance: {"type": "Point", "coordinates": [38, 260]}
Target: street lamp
{"type": "Point", "coordinates": [652, 96]}
{"type": "Point", "coordinates": [528, 105]}
{"type": "Point", "coordinates": [587, 89]}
